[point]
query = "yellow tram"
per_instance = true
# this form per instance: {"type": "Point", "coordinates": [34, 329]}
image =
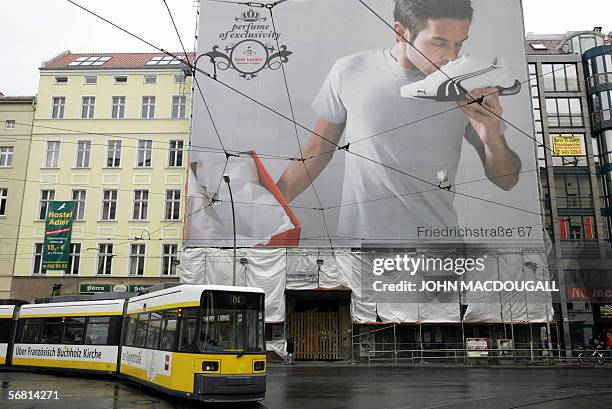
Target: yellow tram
{"type": "Point", "coordinates": [205, 343]}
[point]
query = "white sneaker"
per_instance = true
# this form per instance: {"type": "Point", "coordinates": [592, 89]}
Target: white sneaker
{"type": "Point", "coordinates": [466, 73]}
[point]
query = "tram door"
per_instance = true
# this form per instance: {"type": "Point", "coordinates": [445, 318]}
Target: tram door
{"type": "Point", "coordinates": [320, 326]}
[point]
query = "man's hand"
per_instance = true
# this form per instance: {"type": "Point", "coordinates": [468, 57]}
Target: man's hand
{"type": "Point", "coordinates": [501, 164]}
{"type": "Point", "coordinates": [485, 119]}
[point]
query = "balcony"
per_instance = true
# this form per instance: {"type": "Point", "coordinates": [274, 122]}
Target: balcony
{"type": "Point", "coordinates": [598, 80]}
{"type": "Point", "coordinates": [575, 202]}
{"type": "Point", "coordinates": [602, 119]}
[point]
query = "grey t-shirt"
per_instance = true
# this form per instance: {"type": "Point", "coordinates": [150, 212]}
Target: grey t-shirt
{"type": "Point", "coordinates": [363, 92]}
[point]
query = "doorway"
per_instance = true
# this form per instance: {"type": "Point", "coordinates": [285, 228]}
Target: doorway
{"type": "Point", "coordinates": [320, 323]}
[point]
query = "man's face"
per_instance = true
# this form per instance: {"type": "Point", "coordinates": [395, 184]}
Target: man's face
{"type": "Point", "coordinates": [440, 41]}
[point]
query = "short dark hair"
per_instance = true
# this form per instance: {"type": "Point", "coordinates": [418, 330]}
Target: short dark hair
{"type": "Point", "coordinates": [413, 14]}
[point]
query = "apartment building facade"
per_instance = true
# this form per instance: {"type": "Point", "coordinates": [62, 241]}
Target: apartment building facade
{"type": "Point", "coordinates": [16, 115]}
{"type": "Point", "coordinates": [573, 157]}
{"type": "Point", "coordinates": [110, 133]}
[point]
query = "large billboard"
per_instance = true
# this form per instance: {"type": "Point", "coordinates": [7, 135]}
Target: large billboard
{"type": "Point", "coordinates": [357, 123]}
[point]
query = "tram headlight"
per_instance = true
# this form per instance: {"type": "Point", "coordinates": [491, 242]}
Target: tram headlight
{"type": "Point", "coordinates": [259, 366]}
{"type": "Point", "coordinates": [210, 366]}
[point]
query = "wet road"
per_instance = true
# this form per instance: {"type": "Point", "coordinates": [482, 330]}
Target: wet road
{"type": "Point", "coordinates": [333, 387]}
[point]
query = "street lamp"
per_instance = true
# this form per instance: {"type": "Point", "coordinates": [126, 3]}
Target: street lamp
{"type": "Point", "coordinates": [226, 179]}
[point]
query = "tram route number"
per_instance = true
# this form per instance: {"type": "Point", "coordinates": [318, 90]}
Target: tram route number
{"type": "Point", "coordinates": [33, 395]}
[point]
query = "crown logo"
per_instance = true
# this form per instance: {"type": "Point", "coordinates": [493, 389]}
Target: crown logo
{"type": "Point", "coordinates": [250, 16]}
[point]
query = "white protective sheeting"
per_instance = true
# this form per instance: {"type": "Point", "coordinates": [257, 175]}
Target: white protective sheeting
{"type": "Point", "coordinates": [278, 345]}
{"type": "Point", "coordinates": [276, 270]}
{"type": "Point", "coordinates": [266, 269]}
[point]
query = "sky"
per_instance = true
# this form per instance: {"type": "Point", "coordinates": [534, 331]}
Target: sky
{"type": "Point", "coordinates": [35, 31]}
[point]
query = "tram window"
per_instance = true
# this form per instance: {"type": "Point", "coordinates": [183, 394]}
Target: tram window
{"type": "Point", "coordinates": [74, 331]}
{"type": "Point", "coordinates": [154, 330]}
{"type": "Point", "coordinates": [52, 331]}
{"type": "Point", "coordinates": [97, 331]}
{"type": "Point", "coordinates": [5, 330]}
{"type": "Point", "coordinates": [188, 328]}
{"type": "Point", "coordinates": [130, 333]}
{"type": "Point", "coordinates": [141, 330]}
{"type": "Point", "coordinates": [168, 334]}
{"type": "Point", "coordinates": [31, 331]}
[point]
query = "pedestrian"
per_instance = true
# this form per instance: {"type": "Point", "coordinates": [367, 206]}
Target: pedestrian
{"type": "Point", "coordinates": [290, 350]}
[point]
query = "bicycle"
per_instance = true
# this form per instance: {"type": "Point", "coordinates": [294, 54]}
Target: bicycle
{"type": "Point", "coordinates": [588, 356]}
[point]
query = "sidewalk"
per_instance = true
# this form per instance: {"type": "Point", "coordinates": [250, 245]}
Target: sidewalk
{"type": "Point", "coordinates": [506, 365]}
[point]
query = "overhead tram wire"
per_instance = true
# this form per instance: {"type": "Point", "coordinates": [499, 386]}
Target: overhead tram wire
{"type": "Point", "coordinates": [287, 118]}
{"type": "Point", "coordinates": [479, 101]}
{"type": "Point", "coordinates": [297, 134]}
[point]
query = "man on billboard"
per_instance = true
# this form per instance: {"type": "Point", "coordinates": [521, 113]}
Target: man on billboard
{"type": "Point", "coordinates": [361, 100]}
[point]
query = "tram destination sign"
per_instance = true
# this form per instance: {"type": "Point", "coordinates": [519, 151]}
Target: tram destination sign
{"type": "Point", "coordinates": [58, 229]}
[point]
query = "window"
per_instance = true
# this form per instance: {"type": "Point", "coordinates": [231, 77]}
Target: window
{"type": "Point", "coordinates": [163, 60]}
{"type": "Point", "coordinates": [148, 107]}
{"type": "Point", "coordinates": [173, 204]}
{"type": "Point", "coordinates": [52, 154]}
{"type": "Point", "coordinates": [141, 330]}
{"type": "Point", "coordinates": [180, 78]}
{"type": "Point", "coordinates": [6, 156]}
{"type": "Point", "coordinates": [130, 333]}
{"type": "Point", "coordinates": [560, 77]}
{"type": "Point", "coordinates": [37, 267]}
{"type": "Point", "coordinates": [168, 333]}
{"type": "Point", "coordinates": [154, 330]}
{"type": "Point", "coordinates": [150, 79]}
{"type": "Point", "coordinates": [61, 80]}
{"type": "Point", "coordinates": [74, 260]}
{"type": "Point", "coordinates": [118, 108]}
{"type": "Point", "coordinates": [145, 149]}
{"type": "Point", "coordinates": [175, 154]}
{"type": "Point", "coordinates": [141, 204]}
{"type": "Point", "coordinates": [109, 205]}
{"type": "Point", "coordinates": [3, 200]}
{"type": "Point", "coordinates": [9, 124]}
{"type": "Point", "coordinates": [46, 196]}
{"type": "Point", "coordinates": [57, 107]}
{"type": "Point", "coordinates": [88, 107]}
{"type": "Point", "coordinates": [31, 330]}
{"type": "Point", "coordinates": [91, 79]}
{"type": "Point", "coordinates": [169, 259]}
{"type": "Point", "coordinates": [564, 112]}
{"type": "Point", "coordinates": [179, 103]}
{"type": "Point", "coordinates": [52, 332]}
{"type": "Point", "coordinates": [5, 330]}
{"type": "Point", "coordinates": [188, 329]}
{"type": "Point", "coordinates": [113, 154]}
{"type": "Point", "coordinates": [121, 79]}
{"type": "Point", "coordinates": [79, 197]}
{"type": "Point", "coordinates": [74, 330]}
{"type": "Point", "coordinates": [105, 259]}
{"type": "Point", "coordinates": [83, 154]}
{"type": "Point", "coordinates": [97, 331]}
{"type": "Point", "coordinates": [578, 228]}
{"type": "Point", "coordinates": [91, 60]}
{"type": "Point", "coordinates": [538, 46]}
{"type": "Point", "coordinates": [137, 259]}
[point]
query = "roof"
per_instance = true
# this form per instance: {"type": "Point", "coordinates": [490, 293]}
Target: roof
{"type": "Point", "coordinates": [70, 61]}
{"type": "Point", "coordinates": [19, 98]}
{"type": "Point", "coordinates": [552, 47]}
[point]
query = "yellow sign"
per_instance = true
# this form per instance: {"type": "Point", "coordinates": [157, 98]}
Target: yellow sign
{"type": "Point", "coordinates": [568, 145]}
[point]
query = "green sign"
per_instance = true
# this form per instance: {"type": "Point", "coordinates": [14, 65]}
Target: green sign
{"type": "Point", "coordinates": [58, 228]}
{"type": "Point", "coordinates": [117, 288]}
{"type": "Point", "coordinates": [134, 288]}
{"type": "Point", "coordinates": [95, 288]}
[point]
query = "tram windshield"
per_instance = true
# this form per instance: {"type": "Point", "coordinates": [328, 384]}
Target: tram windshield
{"type": "Point", "coordinates": [232, 323]}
